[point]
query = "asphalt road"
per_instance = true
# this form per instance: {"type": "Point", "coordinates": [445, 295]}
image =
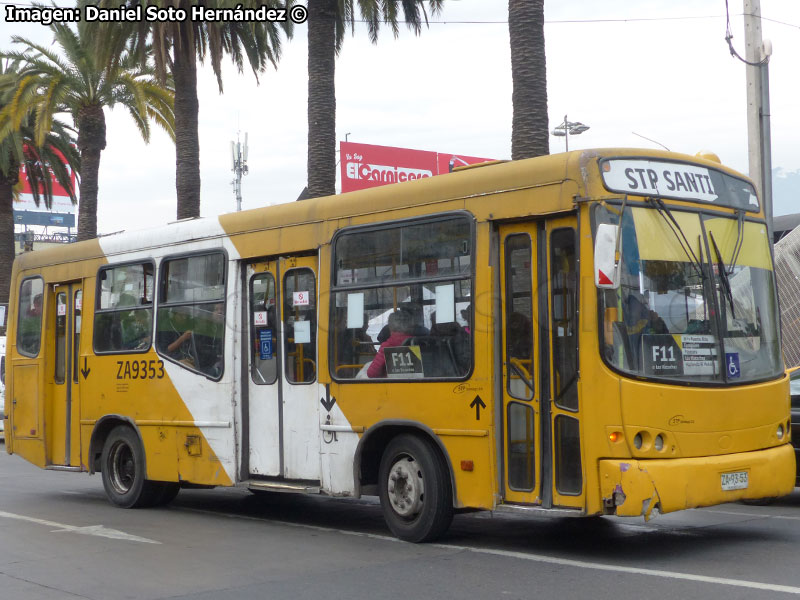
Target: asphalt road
{"type": "Point", "coordinates": [59, 538]}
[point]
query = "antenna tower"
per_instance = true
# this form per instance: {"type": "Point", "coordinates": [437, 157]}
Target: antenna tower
{"type": "Point", "coordinates": [239, 167]}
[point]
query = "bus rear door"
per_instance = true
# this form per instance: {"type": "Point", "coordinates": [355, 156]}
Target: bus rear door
{"type": "Point", "coordinates": [62, 416]}
{"type": "Point", "coordinates": [282, 422]}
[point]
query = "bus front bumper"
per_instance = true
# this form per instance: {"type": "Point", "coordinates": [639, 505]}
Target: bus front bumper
{"type": "Point", "coordinates": [632, 488]}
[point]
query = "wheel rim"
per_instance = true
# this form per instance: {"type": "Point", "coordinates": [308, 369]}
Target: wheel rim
{"type": "Point", "coordinates": [406, 487]}
{"type": "Point", "coordinates": [122, 467]}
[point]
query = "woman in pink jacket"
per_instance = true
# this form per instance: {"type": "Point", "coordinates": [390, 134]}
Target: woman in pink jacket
{"type": "Point", "coordinates": [399, 327]}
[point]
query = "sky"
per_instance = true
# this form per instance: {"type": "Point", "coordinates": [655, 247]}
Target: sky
{"type": "Point", "coordinates": [644, 74]}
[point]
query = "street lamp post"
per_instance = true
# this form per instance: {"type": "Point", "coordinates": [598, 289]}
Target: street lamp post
{"type": "Point", "coordinates": [569, 127]}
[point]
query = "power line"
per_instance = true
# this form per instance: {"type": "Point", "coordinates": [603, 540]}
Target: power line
{"type": "Point", "coordinates": [505, 22]}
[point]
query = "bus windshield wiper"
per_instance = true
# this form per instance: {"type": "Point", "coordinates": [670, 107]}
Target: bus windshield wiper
{"type": "Point", "coordinates": [723, 274]}
{"type": "Point", "coordinates": [677, 231]}
{"type": "Point", "coordinates": [737, 247]}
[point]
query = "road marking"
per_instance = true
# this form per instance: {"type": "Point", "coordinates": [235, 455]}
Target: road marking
{"type": "Point", "coordinates": [95, 530]}
{"type": "Point", "coordinates": [567, 562]}
{"type": "Point", "coordinates": [750, 514]}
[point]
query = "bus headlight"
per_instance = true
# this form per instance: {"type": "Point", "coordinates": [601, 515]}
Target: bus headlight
{"type": "Point", "coordinates": [658, 443]}
{"type": "Point", "coordinates": [780, 431]}
{"type": "Point", "coordinates": [637, 441]}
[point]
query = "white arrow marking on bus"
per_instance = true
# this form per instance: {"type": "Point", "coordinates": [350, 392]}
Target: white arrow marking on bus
{"type": "Point", "coordinates": [96, 530]}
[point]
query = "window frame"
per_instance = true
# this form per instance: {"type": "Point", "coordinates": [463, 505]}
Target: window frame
{"type": "Point", "coordinates": [509, 300]}
{"type": "Point", "coordinates": [284, 375]}
{"type": "Point", "coordinates": [393, 224]}
{"type": "Point", "coordinates": [100, 311]}
{"type": "Point", "coordinates": [19, 317]}
{"type": "Point", "coordinates": [159, 303]}
{"type": "Point", "coordinates": [60, 353]}
{"type": "Point", "coordinates": [558, 395]}
{"type": "Point", "coordinates": [252, 330]}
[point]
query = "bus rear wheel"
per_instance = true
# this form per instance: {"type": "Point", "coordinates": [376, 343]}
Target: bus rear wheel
{"type": "Point", "coordinates": [414, 489]}
{"type": "Point", "coordinates": [122, 466]}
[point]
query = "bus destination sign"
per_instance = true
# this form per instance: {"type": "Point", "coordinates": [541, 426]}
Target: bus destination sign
{"type": "Point", "coordinates": [659, 178]}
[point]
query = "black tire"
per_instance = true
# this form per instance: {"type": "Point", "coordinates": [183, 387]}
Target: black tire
{"type": "Point", "coordinates": [122, 465]}
{"type": "Point", "coordinates": [167, 492]}
{"type": "Point", "coordinates": [414, 488]}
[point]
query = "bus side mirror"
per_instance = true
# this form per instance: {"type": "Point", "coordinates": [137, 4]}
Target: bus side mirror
{"type": "Point", "coordinates": [606, 265]}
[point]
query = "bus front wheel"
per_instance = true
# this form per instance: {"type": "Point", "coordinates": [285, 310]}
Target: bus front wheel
{"type": "Point", "coordinates": [414, 489]}
{"type": "Point", "coordinates": [123, 470]}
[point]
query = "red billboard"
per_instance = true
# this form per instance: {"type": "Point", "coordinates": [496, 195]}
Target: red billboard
{"type": "Point", "coordinates": [61, 201]}
{"type": "Point", "coordinates": [365, 165]}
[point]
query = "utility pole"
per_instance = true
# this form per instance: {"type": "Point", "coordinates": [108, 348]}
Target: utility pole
{"type": "Point", "coordinates": [759, 143]}
{"type": "Point", "coordinates": [239, 167]}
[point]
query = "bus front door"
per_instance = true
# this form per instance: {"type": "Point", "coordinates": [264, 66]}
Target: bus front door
{"type": "Point", "coordinates": [282, 422]}
{"type": "Point", "coordinates": [522, 381]}
{"type": "Point", "coordinates": [62, 414]}
{"type": "Point", "coordinates": [562, 286]}
{"type": "Point", "coordinates": [541, 441]}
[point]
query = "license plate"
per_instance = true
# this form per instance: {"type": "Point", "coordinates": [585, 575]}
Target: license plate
{"type": "Point", "coordinates": [734, 481]}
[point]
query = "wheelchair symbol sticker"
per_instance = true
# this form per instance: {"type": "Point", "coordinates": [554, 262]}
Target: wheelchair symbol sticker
{"type": "Point", "coordinates": [265, 344]}
{"type": "Point", "coordinates": [732, 365]}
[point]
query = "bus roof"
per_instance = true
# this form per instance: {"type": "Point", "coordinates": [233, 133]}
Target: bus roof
{"type": "Point", "coordinates": [558, 179]}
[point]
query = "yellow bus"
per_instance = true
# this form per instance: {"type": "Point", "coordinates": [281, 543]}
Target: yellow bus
{"type": "Point", "coordinates": [593, 332]}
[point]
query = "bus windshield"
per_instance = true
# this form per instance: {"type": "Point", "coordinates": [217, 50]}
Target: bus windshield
{"type": "Point", "coordinates": [696, 301]}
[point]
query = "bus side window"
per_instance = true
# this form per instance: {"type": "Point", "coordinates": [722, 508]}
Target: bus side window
{"type": "Point", "coordinates": [29, 324]}
{"type": "Point", "coordinates": [264, 328]}
{"type": "Point", "coordinates": [299, 325]}
{"type": "Point", "coordinates": [123, 319]}
{"type": "Point", "coordinates": [565, 317]}
{"type": "Point", "coordinates": [519, 317]}
{"type": "Point", "coordinates": [190, 326]}
{"type": "Point", "coordinates": [61, 336]}
{"type": "Point", "coordinates": [403, 285]}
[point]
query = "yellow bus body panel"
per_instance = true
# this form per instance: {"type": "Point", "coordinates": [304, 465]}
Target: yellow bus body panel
{"type": "Point", "coordinates": [174, 448]}
{"type": "Point", "coordinates": [638, 486]}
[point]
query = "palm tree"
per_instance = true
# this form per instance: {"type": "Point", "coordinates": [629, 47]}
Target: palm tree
{"type": "Point", "coordinates": [529, 131]}
{"type": "Point", "coordinates": [177, 47]}
{"type": "Point", "coordinates": [83, 82]}
{"type": "Point", "coordinates": [18, 147]}
{"type": "Point", "coordinates": [327, 23]}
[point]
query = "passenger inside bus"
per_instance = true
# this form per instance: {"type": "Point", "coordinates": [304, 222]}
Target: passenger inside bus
{"type": "Point", "coordinates": [134, 330]}
{"type": "Point", "coordinates": [36, 307]}
{"type": "Point", "coordinates": [400, 326]}
{"type": "Point", "coordinates": [456, 342]}
{"type": "Point", "coordinates": [639, 320]}
{"type": "Point", "coordinates": [354, 346]}
{"type": "Point", "coordinates": [414, 316]}
{"type": "Point", "coordinates": [200, 346]}
{"type": "Point", "coordinates": [466, 314]}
